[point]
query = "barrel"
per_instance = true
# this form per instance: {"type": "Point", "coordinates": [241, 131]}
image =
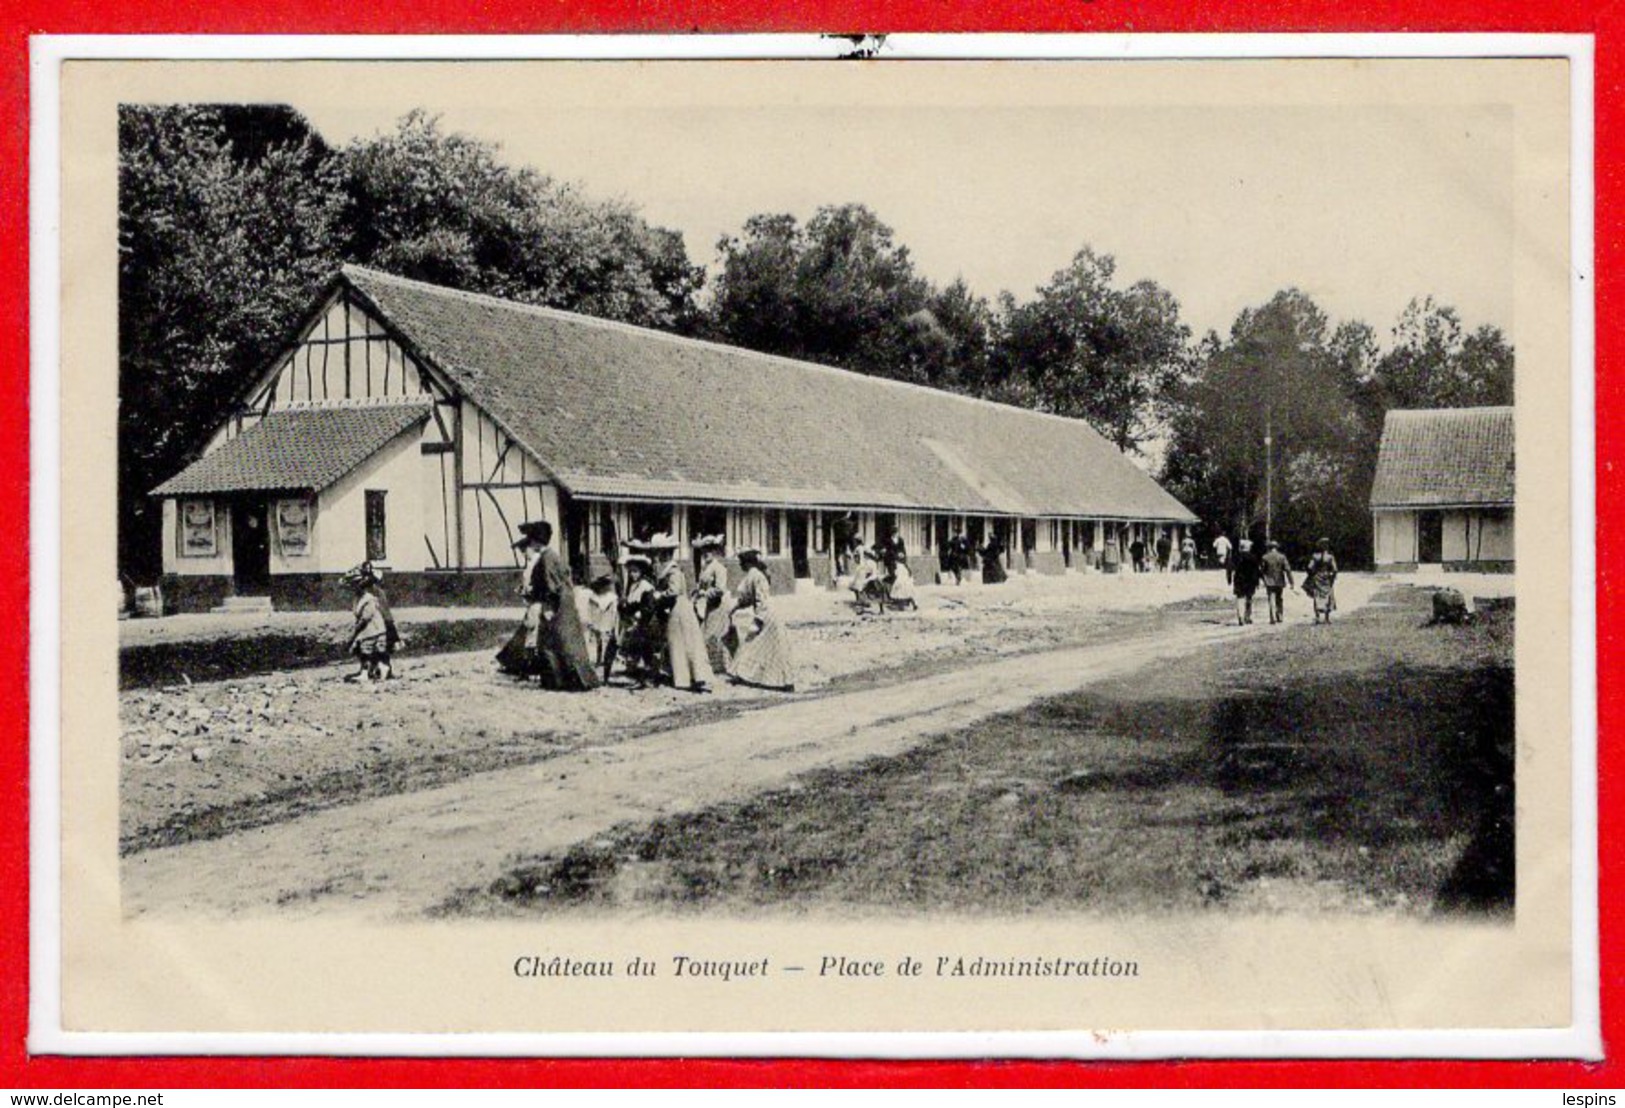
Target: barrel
{"type": "Point", "coordinates": [149, 602]}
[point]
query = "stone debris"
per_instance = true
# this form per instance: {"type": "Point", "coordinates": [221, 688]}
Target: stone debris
{"type": "Point", "coordinates": [1451, 608]}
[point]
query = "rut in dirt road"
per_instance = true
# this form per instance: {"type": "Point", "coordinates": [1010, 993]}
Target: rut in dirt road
{"type": "Point", "coordinates": [402, 855]}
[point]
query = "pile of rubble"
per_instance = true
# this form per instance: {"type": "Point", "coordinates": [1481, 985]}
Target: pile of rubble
{"type": "Point", "coordinates": [168, 723]}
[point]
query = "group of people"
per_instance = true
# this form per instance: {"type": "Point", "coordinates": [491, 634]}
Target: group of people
{"type": "Point", "coordinates": [880, 576]}
{"type": "Point", "coordinates": [647, 616]}
{"type": "Point", "coordinates": [1161, 556]}
{"type": "Point", "coordinates": [960, 555]}
{"type": "Point", "coordinates": [1246, 572]}
{"type": "Point", "coordinates": [665, 631]}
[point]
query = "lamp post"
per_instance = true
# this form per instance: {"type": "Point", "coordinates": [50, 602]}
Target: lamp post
{"type": "Point", "coordinates": [1269, 470]}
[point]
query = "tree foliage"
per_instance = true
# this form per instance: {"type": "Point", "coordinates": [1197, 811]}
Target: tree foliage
{"type": "Point", "coordinates": [1321, 393]}
{"type": "Point", "coordinates": [444, 208]}
{"type": "Point", "coordinates": [1087, 348]}
{"type": "Point", "coordinates": [217, 255]}
{"type": "Point", "coordinates": [840, 290]}
{"type": "Point", "coordinates": [1433, 363]}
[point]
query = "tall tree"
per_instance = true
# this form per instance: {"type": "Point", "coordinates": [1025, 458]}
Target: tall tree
{"type": "Point", "coordinates": [951, 339]}
{"type": "Point", "coordinates": [223, 237]}
{"type": "Point", "coordinates": [1283, 375]}
{"type": "Point", "coordinates": [443, 207]}
{"type": "Point", "coordinates": [1086, 347]}
{"type": "Point", "coordinates": [1433, 363]}
{"type": "Point", "coordinates": [840, 290]}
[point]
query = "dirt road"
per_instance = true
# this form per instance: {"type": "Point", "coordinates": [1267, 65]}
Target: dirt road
{"type": "Point", "coordinates": [403, 855]}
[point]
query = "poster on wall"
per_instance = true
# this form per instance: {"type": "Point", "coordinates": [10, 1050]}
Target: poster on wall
{"type": "Point", "coordinates": [293, 527]}
{"type": "Point", "coordinates": [197, 528]}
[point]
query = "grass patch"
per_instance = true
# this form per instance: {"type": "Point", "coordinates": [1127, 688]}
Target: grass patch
{"type": "Point", "coordinates": [228, 658]}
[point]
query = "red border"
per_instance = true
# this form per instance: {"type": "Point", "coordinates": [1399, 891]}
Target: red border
{"type": "Point", "coordinates": [18, 1070]}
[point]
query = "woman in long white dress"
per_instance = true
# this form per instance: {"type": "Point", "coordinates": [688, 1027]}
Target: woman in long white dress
{"type": "Point", "coordinates": [687, 664]}
{"type": "Point", "coordinates": [759, 645]}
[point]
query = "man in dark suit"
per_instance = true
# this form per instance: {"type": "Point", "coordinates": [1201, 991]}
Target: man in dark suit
{"type": "Point", "coordinates": [1245, 582]}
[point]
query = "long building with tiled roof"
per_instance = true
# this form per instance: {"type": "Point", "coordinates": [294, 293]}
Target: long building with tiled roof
{"type": "Point", "coordinates": [1444, 489]}
{"type": "Point", "coordinates": [418, 426]}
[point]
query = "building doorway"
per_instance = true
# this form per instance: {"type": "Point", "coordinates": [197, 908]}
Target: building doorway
{"type": "Point", "coordinates": [577, 525]}
{"type": "Point", "coordinates": [250, 548]}
{"type": "Point", "coordinates": [703, 520]}
{"type": "Point", "coordinates": [1430, 538]}
{"type": "Point", "coordinates": [797, 523]}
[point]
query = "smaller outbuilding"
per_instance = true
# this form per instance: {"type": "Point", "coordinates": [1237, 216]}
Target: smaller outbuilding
{"type": "Point", "coordinates": [1443, 495]}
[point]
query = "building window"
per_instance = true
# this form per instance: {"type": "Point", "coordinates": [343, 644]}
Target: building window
{"type": "Point", "coordinates": [377, 541]}
{"type": "Point", "coordinates": [775, 541]}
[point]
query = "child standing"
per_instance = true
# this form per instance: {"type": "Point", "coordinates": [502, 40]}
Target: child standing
{"type": "Point", "coordinates": [602, 621]}
{"type": "Point", "coordinates": [374, 634]}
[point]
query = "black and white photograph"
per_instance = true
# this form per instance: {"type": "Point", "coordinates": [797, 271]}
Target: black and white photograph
{"type": "Point", "coordinates": [587, 497]}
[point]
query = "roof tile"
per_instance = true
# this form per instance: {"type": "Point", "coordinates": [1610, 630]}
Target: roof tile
{"type": "Point", "coordinates": [296, 449]}
{"type": "Point", "coordinates": [612, 409]}
{"type": "Point", "coordinates": [1439, 457]}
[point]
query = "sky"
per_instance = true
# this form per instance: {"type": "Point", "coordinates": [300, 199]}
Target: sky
{"type": "Point", "coordinates": [1223, 200]}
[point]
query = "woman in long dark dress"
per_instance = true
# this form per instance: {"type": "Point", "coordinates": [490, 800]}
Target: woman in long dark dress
{"type": "Point", "coordinates": [550, 645]}
{"type": "Point", "coordinates": [641, 647]}
{"type": "Point", "coordinates": [992, 563]}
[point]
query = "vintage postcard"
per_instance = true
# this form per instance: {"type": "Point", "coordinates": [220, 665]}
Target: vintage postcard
{"type": "Point", "coordinates": [874, 556]}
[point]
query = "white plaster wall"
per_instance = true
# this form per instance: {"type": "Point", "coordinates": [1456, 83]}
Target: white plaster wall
{"type": "Point", "coordinates": [1394, 537]}
{"type": "Point", "coordinates": [1497, 542]}
{"type": "Point", "coordinates": [339, 538]}
{"type": "Point", "coordinates": [1457, 535]}
{"type": "Point", "coordinates": [1472, 536]}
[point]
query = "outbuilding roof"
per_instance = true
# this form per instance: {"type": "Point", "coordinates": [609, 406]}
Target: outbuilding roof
{"type": "Point", "coordinates": [1445, 457]}
{"type": "Point", "coordinates": [297, 449]}
{"type": "Point", "coordinates": [620, 411]}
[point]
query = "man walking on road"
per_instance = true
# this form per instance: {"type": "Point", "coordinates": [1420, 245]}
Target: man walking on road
{"type": "Point", "coordinates": [1244, 580]}
{"type": "Point", "coordinates": [1276, 573]}
{"type": "Point", "coordinates": [1221, 553]}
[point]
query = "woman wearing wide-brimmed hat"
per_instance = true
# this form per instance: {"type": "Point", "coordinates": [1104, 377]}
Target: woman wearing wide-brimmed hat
{"type": "Point", "coordinates": [550, 645]}
{"type": "Point", "coordinates": [711, 597]}
{"type": "Point", "coordinates": [758, 645]}
{"type": "Point", "coordinates": [687, 663]}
